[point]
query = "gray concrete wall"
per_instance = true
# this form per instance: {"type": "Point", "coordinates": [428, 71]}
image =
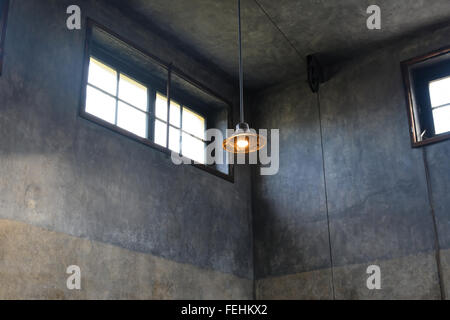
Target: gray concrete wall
{"type": "Point", "coordinates": [34, 263]}
{"type": "Point", "coordinates": [64, 174]}
{"type": "Point", "coordinates": [376, 187]}
{"type": "Point", "coordinates": [73, 192]}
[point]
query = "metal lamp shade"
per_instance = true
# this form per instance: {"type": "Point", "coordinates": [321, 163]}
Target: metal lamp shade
{"type": "Point", "coordinates": [244, 140]}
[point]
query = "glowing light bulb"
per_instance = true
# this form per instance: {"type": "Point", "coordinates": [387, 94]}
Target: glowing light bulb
{"type": "Point", "coordinates": [242, 143]}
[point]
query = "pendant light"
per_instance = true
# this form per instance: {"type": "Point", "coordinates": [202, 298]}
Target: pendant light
{"type": "Point", "coordinates": [243, 139]}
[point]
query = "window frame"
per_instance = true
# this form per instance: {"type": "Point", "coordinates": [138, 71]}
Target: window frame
{"type": "Point", "coordinates": [423, 97]}
{"type": "Point", "coordinates": [152, 90]}
{"type": "Point", "coordinates": [4, 4]}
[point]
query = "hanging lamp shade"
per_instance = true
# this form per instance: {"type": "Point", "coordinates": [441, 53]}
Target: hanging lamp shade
{"type": "Point", "coordinates": [243, 139]}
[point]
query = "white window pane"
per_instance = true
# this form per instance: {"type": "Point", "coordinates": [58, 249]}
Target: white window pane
{"type": "Point", "coordinates": [441, 120]}
{"type": "Point", "coordinates": [193, 123]}
{"type": "Point", "coordinates": [175, 114]}
{"type": "Point", "coordinates": [440, 92]}
{"type": "Point", "coordinates": [132, 120]}
{"type": "Point", "coordinates": [133, 92]}
{"type": "Point", "coordinates": [174, 139]}
{"type": "Point", "coordinates": [160, 133]}
{"type": "Point", "coordinates": [100, 105]}
{"type": "Point", "coordinates": [193, 148]}
{"type": "Point", "coordinates": [102, 76]}
{"type": "Point", "coordinates": [161, 107]}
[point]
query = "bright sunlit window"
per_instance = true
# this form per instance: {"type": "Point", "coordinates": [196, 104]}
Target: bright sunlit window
{"type": "Point", "coordinates": [186, 129]}
{"type": "Point", "coordinates": [123, 102]}
{"type": "Point", "coordinates": [440, 104]}
{"type": "Point", "coordinates": [117, 99]}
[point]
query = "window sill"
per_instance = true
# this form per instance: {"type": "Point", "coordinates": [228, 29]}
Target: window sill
{"type": "Point", "coordinates": [435, 139]}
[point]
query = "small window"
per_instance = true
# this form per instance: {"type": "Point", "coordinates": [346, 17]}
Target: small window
{"type": "Point", "coordinates": [440, 104]}
{"type": "Point", "coordinates": [123, 102]}
{"type": "Point", "coordinates": [4, 4]}
{"type": "Point", "coordinates": [427, 84]}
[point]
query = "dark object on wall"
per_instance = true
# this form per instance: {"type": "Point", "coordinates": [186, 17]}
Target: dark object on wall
{"type": "Point", "coordinates": [418, 74]}
{"type": "Point", "coordinates": [4, 5]}
{"type": "Point", "coordinates": [315, 73]}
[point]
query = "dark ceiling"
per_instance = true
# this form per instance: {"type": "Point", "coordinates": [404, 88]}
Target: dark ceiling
{"type": "Point", "coordinates": [277, 35]}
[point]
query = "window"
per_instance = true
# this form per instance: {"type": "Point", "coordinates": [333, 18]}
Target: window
{"type": "Point", "coordinates": [440, 104]}
{"type": "Point", "coordinates": [427, 84]}
{"type": "Point", "coordinates": [186, 129]}
{"type": "Point", "coordinates": [116, 98]}
{"type": "Point", "coordinates": [119, 100]}
{"type": "Point", "coordinates": [4, 4]}
{"type": "Point", "coordinates": [127, 90]}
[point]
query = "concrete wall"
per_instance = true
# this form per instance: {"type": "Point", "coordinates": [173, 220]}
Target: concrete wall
{"type": "Point", "coordinates": [72, 192]}
{"type": "Point", "coordinates": [34, 261]}
{"type": "Point", "coordinates": [74, 183]}
{"type": "Point", "coordinates": [375, 187]}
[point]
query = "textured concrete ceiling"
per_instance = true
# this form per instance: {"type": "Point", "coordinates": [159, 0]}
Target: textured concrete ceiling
{"type": "Point", "coordinates": [277, 35]}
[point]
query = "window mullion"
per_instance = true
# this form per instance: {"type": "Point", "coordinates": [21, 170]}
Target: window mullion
{"type": "Point", "coordinates": [168, 94]}
{"type": "Point", "coordinates": [193, 136]}
{"type": "Point", "coordinates": [150, 112]}
{"type": "Point", "coordinates": [117, 97]}
{"type": "Point", "coordinates": [101, 90]}
{"type": "Point", "coordinates": [181, 129]}
{"type": "Point", "coordinates": [441, 106]}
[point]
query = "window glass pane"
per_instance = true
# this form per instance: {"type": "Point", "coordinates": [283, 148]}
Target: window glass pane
{"type": "Point", "coordinates": [160, 133]}
{"type": "Point", "coordinates": [441, 119]}
{"type": "Point", "coordinates": [440, 92]}
{"type": "Point", "coordinates": [161, 107]}
{"type": "Point", "coordinates": [133, 92]}
{"type": "Point", "coordinates": [174, 139]}
{"type": "Point", "coordinates": [193, 123]}
{"type": "Point", "coordinates": [102, 76]}
{"type": "Point", "coordinates": [100, 104]}
{"type": "Point", "coordinates": [175, 114]}
{"type": "Point", "coordinates": [193, 148]}
{"type": "Point", "coordinates": [132, 120]}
